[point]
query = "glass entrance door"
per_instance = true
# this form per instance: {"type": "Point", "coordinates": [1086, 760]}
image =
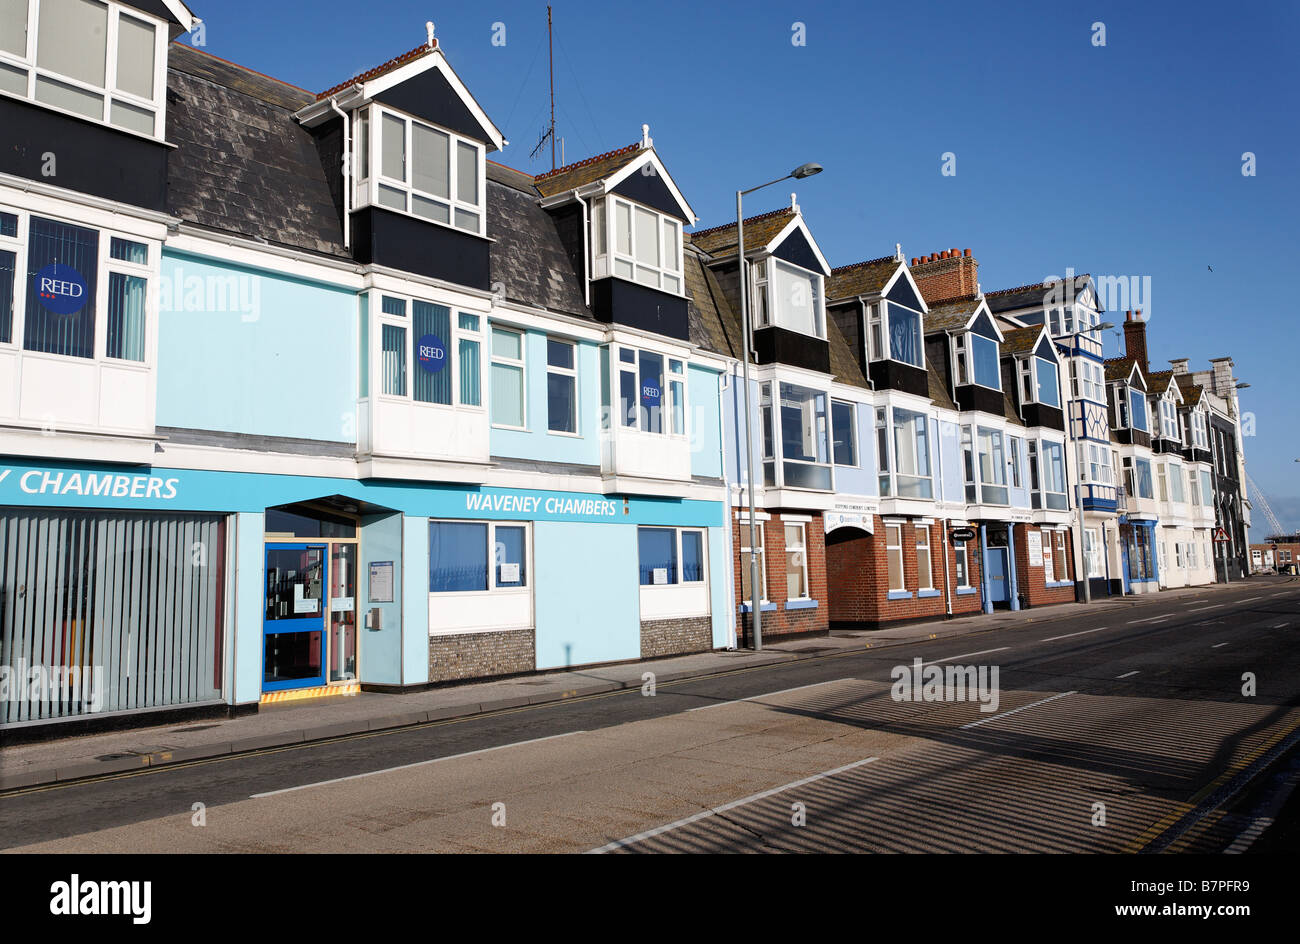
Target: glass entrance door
{"type": "Point", "coordinates": [293, 625]}
{"type": "Point", "coordinates": [343, 612]}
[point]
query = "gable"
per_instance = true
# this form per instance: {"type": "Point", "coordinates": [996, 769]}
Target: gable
{"type": "Point", "coordinates": [902, 293]}
{"type": "Point", "coordinates": [431, 97]}
{"type": "Point", "coordinates": [1045, 349]}
{"type": "Point", "coordinates": [796, 249]}
{"type": "Point", "coordinates": [983, 326]}
{"type": "Point", "coordinates": [645, 185]}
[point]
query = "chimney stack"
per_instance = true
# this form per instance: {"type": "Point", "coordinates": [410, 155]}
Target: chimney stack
{"type": "Point", "coordinates": [1135, 339]}
{"type": "Point", "coordinates": [946, 274]}
{"type": "Point", "coordinates": [1180, 365]}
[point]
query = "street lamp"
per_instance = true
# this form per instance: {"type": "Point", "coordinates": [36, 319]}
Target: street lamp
{"type": "Point", "coordinates": [799, 173]}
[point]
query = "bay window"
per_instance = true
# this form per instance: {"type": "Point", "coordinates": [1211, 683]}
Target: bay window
{"type": "Point", "coordinates": [844, 430]}
{"type": "Point", "coordinates": [636, 243]}
{"type": "Point", "coordinates": [1207, 489]}
{"type": "Point", "coordinates": [882, 451]}
{"type": "Point", "coordinates": [1162, 479]}
{"type": "Point", "coordinates": [424, 171]}
{"type": "Point", "coordinates": [1047, 474]}
{"type": "Point", "coordinates": [912, 454]}
{"type": "Point", "coordinates": [992, 467]}
{"type": "Point", "coordinates": [1047, 389]}
{"type": "Point", "coordinates": [1199, 439]}
{"type": "Point", "coordinates": [1013, 463]}
{"type": "Point", "coordinates": [651, 391]}
{"type": "Point", "coordinates": [94, 59]}
{"type": "Point", "coordinates": [1137, 477]}
{"type": "Point", "coordinates": [876, 333]}
{"type": "Point", "coordinates": [789, 297]}
{"type": "Point", "coordinates": [417, 361]}
{"type": "Point", "coordinates": [1168, 420]}
{"type": "Point", "coordinates": [1094, 463]}
{"type": "Point", "coordinates": [477, 556]}
{"type": "Point", "coordinates": [977, 361]}
{"type": "Point", "coordinates": [1176, 482]}
{"type": "Point", "coordinates": [904, 331]}
{"type": "Point", "coordinates": [805, 459]}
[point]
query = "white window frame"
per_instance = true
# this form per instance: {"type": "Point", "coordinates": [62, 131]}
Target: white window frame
{"type": "Point", "coordinates": [961, 564]}
{"type": "Point", "coordinates": [1199, 438]}
{"type": "Point", "coordinates": [668, 401]}
{"type": "Point", "coordinates": [801, 548]}
{"type": "Point", "coordinates": [520, 364]}
{"type": "Point", "coordinates": [910, 433]}
{"type": "Point", "coordinates": [966, 351]}
{"type": "Point", "coordinates": [606, 256]}
{"type": "Point", "coordinates": [745, 566]}
{"type": "Point", "coordinates": [923, 530]}
{"type": "Point", "coordinates": [563, 372]}
{"type": "Point", "coordinates": [157, 104]}
{"type": "Point", "coordinates": [1169, 420]}
{"type": "Point", "coordinates": [369, 194]}
{"type": "Point", "coordinates": [530, 559]}
{"type": "Point", "coordinates": [890, 548]}
{"type": "Point", "coordinates": [767, 305]}
{"type": "Point", "coordinates": [19, 245]}
{"type": "Point", "coordinates": [853, 433]}
{"type": "Point", "coordinates": [679, 537]}
{"type": "Point", "coordinates": [1013, 460]}
{"type": "Point", "coordinates": [877, 350]}
{"type": "Point", "coordinates": [886, 343]}
{"type": "Point", "coordinates": [380, 318]}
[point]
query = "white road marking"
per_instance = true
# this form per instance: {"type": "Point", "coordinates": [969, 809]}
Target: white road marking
{"type": "Point", "coordinates": [966, 655]}
{"type": "Point", "coordinates": [1128, 674]}
{"type": "Point", "coordinates": [1005, 714]}
{"type": "Point", "coordinates": [1279, 626]}
{"type": "Point", "coordinates": [1249, 599]}
{"type": "Point", "coordinates": [737, 701]}
{"type": "Point", "coordinates": [1247, 838]}
{"type": "Point", "coordinates": [1218, 644]}
{"type": "Point", "coordinates": [1068, 635]}
{"type": "Point", "coordinates": [1149, 619]}
{"type": "Point", "coordinates": [1202, 609]}
{"type": "Point", "coordinates": [714, 811]}
{"type": "Point", "coordinates": [422, 763]}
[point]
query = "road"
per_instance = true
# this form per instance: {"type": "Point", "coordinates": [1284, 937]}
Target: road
{"type": "Point", "coordinates": [1127, 730]}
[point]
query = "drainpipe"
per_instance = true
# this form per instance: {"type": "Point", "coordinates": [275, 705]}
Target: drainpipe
{"type": "Point", "coordinates": [586, 249]}
{"type": "Point", "coordinates": [347, 174]}
{"type": "Point", "coordinates": [947, 585]}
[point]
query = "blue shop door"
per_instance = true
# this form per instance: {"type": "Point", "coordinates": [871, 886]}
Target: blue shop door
{"type": "Point", "coordinates": [293, 623]}
{"type": "Point", "coordinates": [999, 587]}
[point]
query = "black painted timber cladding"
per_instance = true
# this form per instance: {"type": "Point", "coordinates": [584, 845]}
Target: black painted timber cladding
{"type": "Point", "coordinates": [1130, 437]}
{"type": "Point", "coordinates": [895, 375]}
{"type": "Point", "coordinates": [382, 237]}
{"type": "Point", "coordinates": [1048, 417]}
{"type": "Point", "coordinates": [649, 188]}
{"type": "Point", "coordinates": [773, 345]}
{"type": "Point", "coordinates": [980, 399]}
{"type": "Point", "coordinates": [795, 249]}
{"type": "Point", "coordinates": [430, 96]}
{"type": "Point", "coordinates": [87, 157]}
{"type": "Point", "coordinates": [618, 301]}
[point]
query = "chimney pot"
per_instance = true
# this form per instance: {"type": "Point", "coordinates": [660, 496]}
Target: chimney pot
{"type": "Point", "coordinates": [915, 261]}
{"type": "Point", "coordinates": [967, 253]}
{"type": "Point", "coordinates": [954, 252]}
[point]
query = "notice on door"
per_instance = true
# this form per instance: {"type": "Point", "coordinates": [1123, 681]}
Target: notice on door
{"type": "Point", "coordinates": [302, 604]}
{"type": "Point", "coordinates": [381, 582]}
{"type": "Point", "coordinates": [1035, 548]}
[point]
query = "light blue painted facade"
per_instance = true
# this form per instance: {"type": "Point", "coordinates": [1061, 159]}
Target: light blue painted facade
{"type": "Point", "coordinates": [247, 351]}
{"type": "Point", "coordinates": [248, 606]}
{"type": "Point", "coordinates": [704, 397]}
{"type": "Point", "coordinates": [415, 601]}
{"type": "Point", "coordinates": [537, 442]}
{"type": "Point", "coordinates": [380, 660]}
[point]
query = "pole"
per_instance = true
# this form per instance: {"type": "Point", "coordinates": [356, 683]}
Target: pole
{"type": "Point", "coordinates": [1083, 551]}
{"type": "Point", "coordinates": [550, 49]}
{"type": "Point", "coordinates": [755, 604]}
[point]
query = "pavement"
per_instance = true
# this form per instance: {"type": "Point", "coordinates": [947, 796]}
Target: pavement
{"type": "Point", "coordinates": [308, 720]}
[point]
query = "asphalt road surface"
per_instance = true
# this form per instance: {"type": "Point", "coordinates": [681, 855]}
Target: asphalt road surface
{"type": "Point", "coordinates": [1136, 729]}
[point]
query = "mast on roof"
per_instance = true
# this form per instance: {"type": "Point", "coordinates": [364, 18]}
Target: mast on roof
{"type": "Point", "coordinates": [549, 132]}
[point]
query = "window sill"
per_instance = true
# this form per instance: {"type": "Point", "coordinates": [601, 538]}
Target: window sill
{"type": "Point", "coordinates": [1054, 584]}
{"type": "Point", "coordinates": [926, 593]}
{"type": "Point", "coordinates": [763, 608]}
{"type": "Point", "coordinates": [511, 429]}
{"type": "Point", "coordinates": [965, 591]}
{"type": "Point", "coordinates": [801, 604]}
{"type": "Point", "coordinates": [558, 432]}
{"type": "Point", "coordinates": [899, 595]}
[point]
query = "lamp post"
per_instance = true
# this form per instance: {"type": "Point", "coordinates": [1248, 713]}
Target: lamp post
{"type": "Point", "coordinates": [800, 172]}
{"type": "Point", "coordinates": [1078, 488]}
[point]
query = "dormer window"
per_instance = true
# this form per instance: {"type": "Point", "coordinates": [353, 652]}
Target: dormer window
{"type": "Point", "coordinates": [786, 296]}
{"type": "Point", "coordinates": [422, 170]}
{"type": "Point", "coordinates": [976, 358]}
{"type": "Point", "coordinates": [895, 333]}
{"type": "Point", "coordinates": [636, 243]}
{"type": "Point", "coordinates": [1199, 438]}
{"type": "Point", "coordinates": [1040, 381]}
{"type": "Point", "coordinates": [96, 60]}
{"type": "Point", "coordinates": [1132, 404]}
{"type": "Point", "coordinates": [1168, 420]}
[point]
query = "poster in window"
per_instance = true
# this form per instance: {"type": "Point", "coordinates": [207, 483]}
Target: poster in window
{"type": "Point", "coordinates": [381, 582]}
{"type": "Point", "coordinates": [1035, 549]}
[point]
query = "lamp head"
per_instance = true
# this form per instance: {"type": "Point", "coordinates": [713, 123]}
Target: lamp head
{"type": "Point", "coordinates": [806, 170]}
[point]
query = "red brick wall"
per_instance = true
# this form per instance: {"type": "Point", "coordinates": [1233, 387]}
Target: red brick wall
{"type": "Point", "coordinates": [1032, 581]}
{"type": "Point", "coordinates": [857, 571]}
{"type": "Point", "coordinates": [783, 622]}
{"type": "Point", "coordinates": [945, 275]}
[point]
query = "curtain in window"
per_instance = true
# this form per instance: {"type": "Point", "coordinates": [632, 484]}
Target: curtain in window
{"type": "Point", "coordinates": [72, 252]}
{"type": "Point", "coordinates": [904, 335]}
{"type": "Point", "coordinates": [652, 392]}
{"type": "Point", "coordinates": [126, 294]}
{"type": "Point", "coordinates": [426, 319]}
{"type": "Point", "coordinates": [458, 556]}
{"type": "Point", "coordinates": [8, 261]}
{"type": "Point", "coordinates": [471, 364]}
{"type": "Point", "coordinates": [394, 360]}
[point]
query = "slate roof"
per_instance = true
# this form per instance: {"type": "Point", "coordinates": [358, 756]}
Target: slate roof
{"type": "Point", "coordinates": [844, 365]}
{"type": "Point", "coordinates": [1021, 340]}
{"type": "Point", "coordinates": [1192, 391]}
{"type": "Point", "coordinates": [861, 278]}
{"type": "Point", "coordinates": [945, 316]}
{"type": "Point", "coordinates": [527, 257]}
{"type": "Point", "coordinates": [1119, 368]}
{"type": "Point", "coordinates": [1029, 296]}
{"type": "Point", "coordinates": [1159, 381]}
{"type": "Point", "coordinates": [759, 231]}
{"type": "Point", "coordinates": [714, 325]}
{"type": "Point", "coordinates": [241, 163]}
{"type": "Point", "coordinates": [572, 176]}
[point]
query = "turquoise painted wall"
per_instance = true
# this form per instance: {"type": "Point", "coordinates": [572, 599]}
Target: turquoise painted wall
{"type": "Point", "coordinates": [719, 587]}
{"type": "Point", "coordinates": [381, 650]}
{"type": "Point", "coordinates": [705, 422]}
{"type": "Point", "coordinates": [415, 601]}
{"type": "Point", "coordinates": [538, 442]}
{"type": "Point", "coordinates": [247, 351]}
{"type": "Point", "coordinates": [596, 565]}
{"type": "Point", "coordinates": [250, 587]}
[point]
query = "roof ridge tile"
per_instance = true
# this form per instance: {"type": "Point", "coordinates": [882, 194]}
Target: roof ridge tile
{"type": "Point", "coordinates": [587, 162]}
{"type": "Point", "coordinates": [409, 56]}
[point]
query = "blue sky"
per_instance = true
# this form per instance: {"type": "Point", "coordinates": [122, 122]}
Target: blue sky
{"type": "Point", "coordinates": [1121, 160]}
